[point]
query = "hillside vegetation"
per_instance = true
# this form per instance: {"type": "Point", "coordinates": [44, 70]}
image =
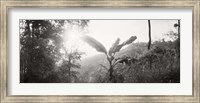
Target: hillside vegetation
{"type": "Point", "coordinates": [161, 64]}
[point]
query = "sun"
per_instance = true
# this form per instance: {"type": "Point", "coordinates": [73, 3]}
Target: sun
{"type": "Point", "coordinates": [72, 39]}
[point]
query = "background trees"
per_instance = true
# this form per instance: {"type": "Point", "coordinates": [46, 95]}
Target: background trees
{"type": "Point", "coordinates": [41, 43]}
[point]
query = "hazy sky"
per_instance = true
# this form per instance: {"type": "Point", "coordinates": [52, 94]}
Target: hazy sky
{"type": "Point", "coordinates": [107, 31]}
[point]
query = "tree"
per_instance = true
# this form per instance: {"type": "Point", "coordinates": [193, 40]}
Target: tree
{"type": "Point", "coordinates": [116, 47]}
{"type": "Point", "coordinates": [178, 25]}
{"type": "Point", "coordinates": [149, 44]}
{"type": "Point", "coordinates": [174, 35]}
{"type": "Point", "coordinates": [34, 51]}
{"type": "Point", "coordinates": [40, 44]}
{"type": "Point", "coordinates": [149, 25]}
{"type": "Point", "coordinates": [69, 65]}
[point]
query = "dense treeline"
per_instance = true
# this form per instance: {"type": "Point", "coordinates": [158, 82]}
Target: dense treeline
{"type": "Point", "coordinates": [41, 43]}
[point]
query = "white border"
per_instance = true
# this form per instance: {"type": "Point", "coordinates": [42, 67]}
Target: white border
{"type": "Point", "coordinates": [183, 88]}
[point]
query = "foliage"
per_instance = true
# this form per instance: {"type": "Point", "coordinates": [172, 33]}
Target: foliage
{"type": "Point", "coordinates": [165, 65]}
{"type": "Point", "coordinates": [94, 43]}
{"type": "Point", "coordinates": [113, 49]}
{"type": "Point", "coordinates": [40, 44]}
{"type": "Point", "coordinates": [67, 70]}
{"type": "Point", "coordinates": [172, 35]}
{"type": "Point", "coordinates": [165, 68]}
{"type": "Point", "coordinates": [116, 47]}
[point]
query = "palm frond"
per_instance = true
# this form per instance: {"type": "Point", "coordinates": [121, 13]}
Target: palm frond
{"type": "Point", "coordinates": [94, 43]}
{"type": "Point", "coordinates": [130, 40]}
{"type": "Point", "coordinates": [112, 49]}
{"type": "Point", "coordinates": [118, 47]}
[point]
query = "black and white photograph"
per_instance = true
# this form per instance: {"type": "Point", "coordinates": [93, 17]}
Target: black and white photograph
{"type": "Point", "coordinates": [99, 50]}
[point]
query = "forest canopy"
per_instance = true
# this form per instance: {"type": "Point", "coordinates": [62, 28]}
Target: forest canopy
{"type": "Point", "coordinates": [42, 48]}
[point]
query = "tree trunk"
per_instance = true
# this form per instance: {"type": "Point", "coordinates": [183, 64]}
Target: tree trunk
{"type": "Point", "coordinates": [111, 72]}
{"type": "Point", "coordinates": [179, 29]}
{"type": "Point", "coordinates": [28, 28]}
{"type": "Point", "coordinates": [149, 24]}
{"type": "Point", "coordinates": [149, 45]}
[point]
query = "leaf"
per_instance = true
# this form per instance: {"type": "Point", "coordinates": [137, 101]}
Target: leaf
{"type": "Point", "coordinates": [130, 40]}
{"type": "Point", "coordinates": [118, 48]}
{"type": "Point", "coordinates": [94, 43]}
{"type": "Point", "coordinates": [112, 49]}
